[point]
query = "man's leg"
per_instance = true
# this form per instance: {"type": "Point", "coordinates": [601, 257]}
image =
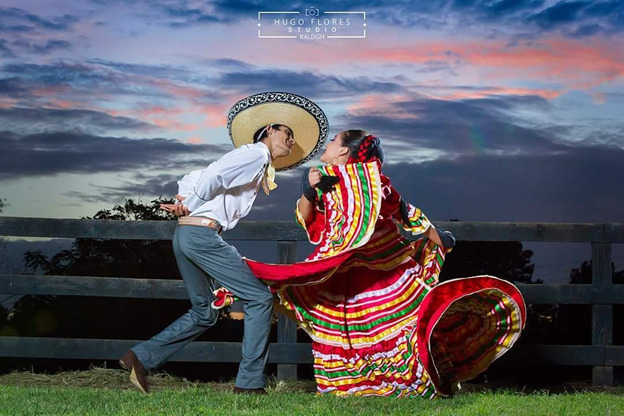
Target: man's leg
{"type": "Point", "coordinates": [223, 262]}
{"type": "Point", "coordinates": [155, 351]}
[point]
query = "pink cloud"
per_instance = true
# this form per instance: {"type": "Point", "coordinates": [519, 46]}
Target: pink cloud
{"type": "Point", "coordinates": [385, 103]}
{"type": "Point", "coordinates": [50, 90]}
{"type": "Point", "coordinates": [576, 63]}
{"type": "Point", "coordinates": [599, 98]}
{"type": "Point", "coordinates": [7, 102]}
{"type": "Point", "coordinates": [378, 104]}
{"type": "Point", "coordinates": [158, 110]}
{"type": "Point", "coordinates": [178, 91]}
{"type": "Point", "coordinates": [175, 125]}
{"type": "Point", "coordinates": [476, 94]}
{"type": "Point", "coordinates": [215, 115]}
{"type": "Point", "coordinates": [64, 104]}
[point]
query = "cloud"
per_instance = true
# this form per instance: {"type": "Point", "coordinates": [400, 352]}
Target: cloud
{"type": "Point", "coordinates": [587, 30]}
{"type": "Point", "coordinates": [18, 21]}
{"type": "Point", "coordinates": [105, 76]}
{"type": "Point", "coordinates": [229, 64]}
{"type": "Point", "coordinates": [561, 13]}
{"type": "Point", "coordinates": [141, 187]}
{"type": "Point", "coordinates": [563, 187]}
{"type": "Point", "coordinates": [42, 81]}
{"type": "Point", "coordinates": [581, 18]}
{"type": "Point", "coordinates": [12, 87]}
{"type": "Point", "coordinates": [51, 73]}
{"type": "Point", "coordinates": [5, 51]}
{"type": "Point", "coordinates": [305, 83]}
{"type": "Point", "coordinates": [573, 63]}
{"type": "Point", "coordinates": [41, 49]}
{"type": "Point", "coordinates": [180, 14]}
{"type": "Point", "coordinates": [41, 120]}
{"type": "Point", "coordinates": [567, 187]}
{"type": "Point", "coordinates": [481, 17]}
{"type": "Point", "coordinates": [71, 84]}
{"type": "Point", "coordinates": [91, 84]}
{"type": "Point", "coordinates": [55, 153]}
{"type": "Point", "coordinates": [229, 74]}
{"type": "Point", "coordinates": [420, 128]}
{"type": "Point", "coordinates": [173, 72]}
{"type": "Point", "coordinates": [185, 17]}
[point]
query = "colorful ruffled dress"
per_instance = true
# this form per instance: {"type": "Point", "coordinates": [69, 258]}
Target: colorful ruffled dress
{"type": "Point", "coordinates": [380, 322]}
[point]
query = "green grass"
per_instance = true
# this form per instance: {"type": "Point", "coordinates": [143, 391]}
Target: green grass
{"type": "Point", "coordinates": [25, 394]}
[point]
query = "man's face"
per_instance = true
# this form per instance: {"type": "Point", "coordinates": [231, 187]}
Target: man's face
{"type": "Point", "coordinates": [282, 139]}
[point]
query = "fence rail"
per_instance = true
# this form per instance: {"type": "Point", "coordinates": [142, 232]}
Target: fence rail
{"type": "Point", "coordinates": [123, 287]}
{"type": "Point", "coordinates": [601, 294]}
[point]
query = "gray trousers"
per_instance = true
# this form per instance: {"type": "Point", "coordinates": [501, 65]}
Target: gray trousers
{"type": "Point", "coordinates": [203, 258]}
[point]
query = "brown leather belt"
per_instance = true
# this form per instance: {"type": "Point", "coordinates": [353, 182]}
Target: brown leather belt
{"type": "Point", "coordinates": [201, 222]}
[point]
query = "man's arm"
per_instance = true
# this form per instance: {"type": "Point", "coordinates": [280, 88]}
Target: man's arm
{"type": "Point", "coordinates": [232, 170]}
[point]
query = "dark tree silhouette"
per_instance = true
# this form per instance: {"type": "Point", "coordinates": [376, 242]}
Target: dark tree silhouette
{"type": "Point", "coordinates": [509, 261]}
{"type": "Point", "coordinates": [3, 241]}
{"type": "Point", "coordinates": [583, 274]}
{"type": "Point", "coordinates": [4, 316]}
{"type": "Point", "coordinates": [566, 324]}
{"type": "Point", "coordinates": [504, 259]}
{"type": "Point", "coordinates": [92, 317]}
{"type": "Point", "coordinates": [114, 258]}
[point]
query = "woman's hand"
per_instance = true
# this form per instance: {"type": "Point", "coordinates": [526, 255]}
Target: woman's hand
{"type": "Point", "coordinates": [314, 176]}
{"type": "Point", "coordinates": [313, 180]}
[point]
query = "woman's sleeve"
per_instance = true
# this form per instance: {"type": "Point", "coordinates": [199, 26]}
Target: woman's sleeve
{"type": "Point", "coordinates": [406, 215]}
{"type": "Point", "coordinates": [412, 218]}
{"type": "Point", "coordinates": [315, 228]}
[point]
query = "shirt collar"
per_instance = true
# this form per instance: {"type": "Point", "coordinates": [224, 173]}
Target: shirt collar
{"type": "Point", "coordinates": [261, 145]}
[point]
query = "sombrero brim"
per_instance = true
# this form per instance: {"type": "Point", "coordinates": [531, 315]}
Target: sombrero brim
{"type": "Point", "coordinates": [305, 119]}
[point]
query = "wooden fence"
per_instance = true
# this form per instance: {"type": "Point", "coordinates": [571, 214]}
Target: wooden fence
{"type": "Point", "coordinates": [602, 355]}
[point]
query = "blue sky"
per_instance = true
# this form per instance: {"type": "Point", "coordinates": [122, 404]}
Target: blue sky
{"type": "Point", "coordinates": [488, 110]}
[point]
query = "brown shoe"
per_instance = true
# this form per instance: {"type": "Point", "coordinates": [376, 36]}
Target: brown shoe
{"type": "Point", "coordinates": [240, 390]}
{"type": "Point", "coordinates": [138, 373]}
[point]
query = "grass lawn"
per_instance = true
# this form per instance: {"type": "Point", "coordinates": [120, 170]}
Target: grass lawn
{"type": "Point", "coordinates": [107, 392]}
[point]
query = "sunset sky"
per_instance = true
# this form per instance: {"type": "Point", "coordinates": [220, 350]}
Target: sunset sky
{"type": "Point", "coordinates": [488, 110]}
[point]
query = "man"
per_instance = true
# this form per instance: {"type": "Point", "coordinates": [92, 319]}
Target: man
{"type": "Point", "coordinates": [215, 199]}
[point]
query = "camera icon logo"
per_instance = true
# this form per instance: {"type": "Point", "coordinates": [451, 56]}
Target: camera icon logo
{"type": "Point", "coordinates": [312, 11]}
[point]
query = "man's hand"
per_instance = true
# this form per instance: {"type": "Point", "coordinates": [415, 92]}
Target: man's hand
{"type": "Point", "coordinates": [178, 209]}
{"type": "Point", "coordinates": [314, 176]}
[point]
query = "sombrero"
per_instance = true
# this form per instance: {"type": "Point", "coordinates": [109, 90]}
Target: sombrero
{"type": "Point", "coordinates": [306, 119]}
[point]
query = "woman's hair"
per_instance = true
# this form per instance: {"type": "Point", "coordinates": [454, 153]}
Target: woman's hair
{"type": "Point", "coordinates": [262, 133]}
{"type": "Point", "coordinates": [362, 146]}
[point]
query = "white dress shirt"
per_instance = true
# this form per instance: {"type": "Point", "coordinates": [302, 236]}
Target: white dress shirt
{"type": "Point", "coordinates": [227, 188]}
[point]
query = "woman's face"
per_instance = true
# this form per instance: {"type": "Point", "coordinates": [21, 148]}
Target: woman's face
{"type": "Point", "coordinates": [334, 150]}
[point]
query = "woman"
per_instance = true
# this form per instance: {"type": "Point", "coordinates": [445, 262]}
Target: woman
{"type": "Point", "coordinates": [370, 299]}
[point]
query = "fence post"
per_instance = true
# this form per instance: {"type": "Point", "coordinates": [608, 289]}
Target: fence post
{"type": "Point", "coordinates": [602, 315]}
{"type": "Point", "coordinates": [286, 329]}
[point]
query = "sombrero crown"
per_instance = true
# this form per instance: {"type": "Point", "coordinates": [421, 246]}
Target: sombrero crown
{"type": "Point", "coordinates": [305, 119]}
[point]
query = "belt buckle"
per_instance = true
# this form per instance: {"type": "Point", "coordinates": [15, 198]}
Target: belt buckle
{"type": "Point", "coordinates": [212, 224]}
